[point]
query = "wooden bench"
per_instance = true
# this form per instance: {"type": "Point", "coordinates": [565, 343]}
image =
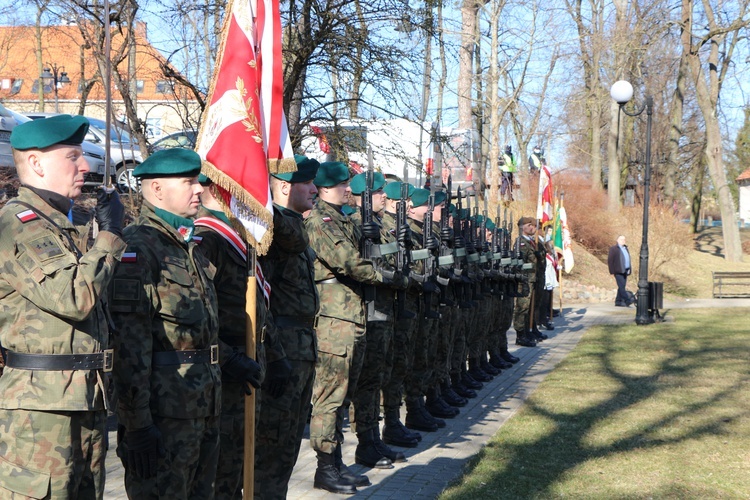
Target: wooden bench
{"type": "Point", "coordinates": [738, 283]}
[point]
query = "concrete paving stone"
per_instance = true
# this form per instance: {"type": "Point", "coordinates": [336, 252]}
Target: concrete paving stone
{"type": "Point", "coordinates": [441, 456]}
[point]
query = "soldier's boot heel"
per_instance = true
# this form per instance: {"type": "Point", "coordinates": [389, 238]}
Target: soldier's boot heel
{"type": "Point", "coordinates": [328, 477]}
{"type": "Point", "coordinates": [393, 455]}
{"type": "Point", "coordinates": [367, 453]}
{"type": "Point", "coordinates": [346, 474]}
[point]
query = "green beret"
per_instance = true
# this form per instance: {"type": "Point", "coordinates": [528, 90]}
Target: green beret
{"type": "Point", "coordinates": [172, 162]}
{"type": "Point", "coordinates": [204, 181]}
{"type": "Point", "coordinates": [393, 190]}
{"type": "Point", "coordinates": [358, 182]}
{"type": "Point", "coordinates": [307, 168]}
{"type": "Point", "coordinates": [440, 197]}
{"type": "Point", "coordinates": [331, 173]}
{"type": "Point", "coordinates": [452, 210]}
{"type": "Point", "coordinates": [46, 132]}
{"type": "Point", "coordinates": [490, 224]}
{"type": "Point", "coordinates": [526, 220]}
{"type": "Point", "coordinates": [464, 213]}
{"type": "Point", "coordinates": [348, 209]}
{"type": "Point", "coordinates": [480, 219]}
{"type": "Point", "coordinates": [420, 197]}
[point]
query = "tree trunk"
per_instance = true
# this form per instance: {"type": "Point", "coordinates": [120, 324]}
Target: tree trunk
{"type": "Point", "coordinates": [613, 158]}
{"type": "Point", "coordinates": [443, 66]}
{"type": "Point", "coordinates": [696, 200]}
{"type": "Point", "coordinates": [494, 105]}
{"type": "Point", "coordinates": [675, 131]}
{"type": "Point", "coordinates": [469, 11]}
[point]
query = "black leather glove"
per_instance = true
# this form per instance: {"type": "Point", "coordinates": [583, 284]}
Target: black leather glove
{"type": "Point", "coordinates": [243, 369]}
{"type": "Point", "coordinates": [145, 446]}
{"type": "Point", "coordinates": [446, 235]}
{"type": "Point", "coordinates": [404, 236]}
{"type": "Point", "coordinates": [432, 243]}
{"type": "Point", "coordinates": [371, 230]}
{"type": "Point", "coordinates": [109, 211]}
{"type": "Point", "coordinates": [459, 242]}
{"type": "Point", "coordinates": [278, 374]}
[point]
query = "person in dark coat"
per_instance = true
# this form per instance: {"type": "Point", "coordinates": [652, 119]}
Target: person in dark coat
{"type": "Point", "coordinates": [618, 261]}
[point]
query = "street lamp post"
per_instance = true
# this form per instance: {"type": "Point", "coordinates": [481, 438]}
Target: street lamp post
{"type": "Point", "coordinates": [57, 76]}
{"type": "Point", "coordinates": [622, 92]}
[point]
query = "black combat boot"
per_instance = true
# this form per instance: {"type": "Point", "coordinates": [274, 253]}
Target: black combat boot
{"type": "Point", "coordinates": [437, 407]}
{"type": "Point", "coordinates": [346, 474]}
{"type": "Point", "coordinates": [507, 356]}
{"type": "Point", "coordinates": [427, 415]}
{"type": "Point", "coordinates": [450, 396]}
{"type": "Point", "coordinates": [496, 360]}
{"type": "Point", "coordinates": [538, 335]}
{"type": "Point", "coordinates": [461, 389]}
{"type": "Point", "coordinates": [524, 339]}
{"type": "Point", "coordinates": [392, 455]}
{"type": "Point", "coordinates": [476, 372]}
{"type": "Point", "coordinates": [488, 367]}
{"type": "Point", "coordinates": [470, 381]}
{"type": "Point", "coordinates": [394, 432]}
{"type": "Point", "coordinates": [415, 416]}
{"type": "Point", "coordinates": [328, 477]}
{"type": "Point", "coordinates": [367, 453]}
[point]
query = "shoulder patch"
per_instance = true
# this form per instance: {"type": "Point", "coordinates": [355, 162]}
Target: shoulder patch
{"type": "Point", "coordinates": [126, 289]}
{"type": "Point", "coordinates": [27, 215]}
{"type": "Point", "coordinates": [327, 219]}
{"type": "Point", "coordinates": [129, 257]}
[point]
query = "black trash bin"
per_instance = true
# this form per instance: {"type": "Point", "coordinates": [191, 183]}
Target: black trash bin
{"type": "Point", "coordinates": [655, 299]}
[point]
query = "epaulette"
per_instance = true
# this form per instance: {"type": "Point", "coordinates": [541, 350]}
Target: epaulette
{"type": "Point", "coordinates": [27, 215]}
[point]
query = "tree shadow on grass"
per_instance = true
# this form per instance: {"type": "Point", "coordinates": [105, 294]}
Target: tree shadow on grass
{"type": "Point", "coordinates": [532, 469]}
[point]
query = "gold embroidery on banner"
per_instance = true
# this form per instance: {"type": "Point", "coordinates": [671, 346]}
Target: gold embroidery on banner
{"type": "Point", "coordinates": [251, 123]}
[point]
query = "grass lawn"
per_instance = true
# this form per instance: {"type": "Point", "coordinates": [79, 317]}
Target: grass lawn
{"type": "Point", "coordinates": [633, 412]}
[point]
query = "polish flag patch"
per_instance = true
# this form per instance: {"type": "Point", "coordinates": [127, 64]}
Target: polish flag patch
{"type": "Point", "coordinates": [27, 215]}
{"type": "Point", "coordinates": [129, 257]}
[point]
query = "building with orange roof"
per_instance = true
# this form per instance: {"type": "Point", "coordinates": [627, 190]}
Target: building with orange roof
{"type": "Point", "coordinates": [743, 181]}
{"type": "Point", "coordinates": [163, 105]}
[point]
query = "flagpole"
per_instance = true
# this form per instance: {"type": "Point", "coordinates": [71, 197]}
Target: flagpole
{"type": "Point", "coordinates": [248, 478]}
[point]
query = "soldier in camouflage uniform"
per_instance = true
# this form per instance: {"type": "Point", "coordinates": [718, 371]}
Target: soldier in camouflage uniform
{"type": "Point", "coordinates": [53, 407]}
{"type": "Point", "coordinates": [526, 248]}
{"type": "Point", "coordinates": [288, 266]}
{"type": "Point", "coordinates": [227, 251]}
{"type": "Point", "coordinates": [167, 373]}
{"type": "Point", "coordinates": [339, 275]}
{"type": "Point", "coordinates": [401, 356]}
{"type": "Point", "coordinates": [371, 451]}
{"type": "Point", "coordinates": [418, 380]}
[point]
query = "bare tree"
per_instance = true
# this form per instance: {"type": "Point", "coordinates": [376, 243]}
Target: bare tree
{"type": "Point", "coordinates": [713, 50]}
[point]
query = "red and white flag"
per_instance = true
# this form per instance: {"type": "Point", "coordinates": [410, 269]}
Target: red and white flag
{"type": "Point", "coordinates": [244, 132]}
{"type": "Point", "coordinates": [544, 205]}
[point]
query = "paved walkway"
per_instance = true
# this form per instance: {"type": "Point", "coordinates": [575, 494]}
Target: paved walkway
{"type": "Point", "coordinates": [441, 456]}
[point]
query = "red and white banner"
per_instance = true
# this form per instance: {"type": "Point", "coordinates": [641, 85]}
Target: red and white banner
{"type": "Point", "coordinates": [322, 139]}
{"type": "Point", "coordinates": [244, 130]}
{"type": "Point", "coordinates": [544, 205]}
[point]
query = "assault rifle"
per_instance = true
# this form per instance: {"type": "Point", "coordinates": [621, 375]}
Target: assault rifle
{"type": "Point", "coordinates": [445, 260]}
{"type": "Point", "coordinates": [370, 247]}
{"type": "Point", "coordinates": [403, 257]}
{"type": "Point", "coordinates": [428, 287]}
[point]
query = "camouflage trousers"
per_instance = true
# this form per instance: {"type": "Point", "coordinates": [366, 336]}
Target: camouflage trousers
{"type": "Point", "coordinates": [493, 324]}
{"type": "Point", "coordinates": [341, 352]}
{"type": "Point", "coordinates": [521, 312]}
{"type": "Point", "coordinates": [281, 424]}
{"type": "Point", "coordinates": [366, 400]}
{"type": "Point", "coordinates": [418, 380]}
{"type": "Point", "coordinates": [46, 454]}
{"type": "Point", "coordinates": [477, 332]}
{"type": "Point", "coordinates": [401, 357]}
{"type": "Point", "coordinates": [228, 483]}
{"type": "Point", "coordinates": [458, 354]}
{"type": "Point", "coordinates": [188, 469]}
{"type": "Point", "coordinates": [445, 333]}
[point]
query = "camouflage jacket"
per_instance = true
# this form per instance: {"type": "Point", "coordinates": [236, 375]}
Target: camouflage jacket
{"type": "Point", "coordinates": [51, 303]}
{"type": "Point", "coordinates": [162, 299]}
{"type": "Point", "coordinates": [339, 269]}
{"type": "Point", "coordinates": [230, 282]}
{"type": "Point", "coordinates": [289, 267]}
{"type": "Point", "coordinates": [529, 253]}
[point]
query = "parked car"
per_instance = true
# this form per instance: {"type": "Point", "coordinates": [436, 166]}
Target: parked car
{"type": "Point", "coordinates": [123, 151]}
{"type": "Point", "coordinates": [93, 154]}
{"type": "Point", "coordinates": [181, 139]}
